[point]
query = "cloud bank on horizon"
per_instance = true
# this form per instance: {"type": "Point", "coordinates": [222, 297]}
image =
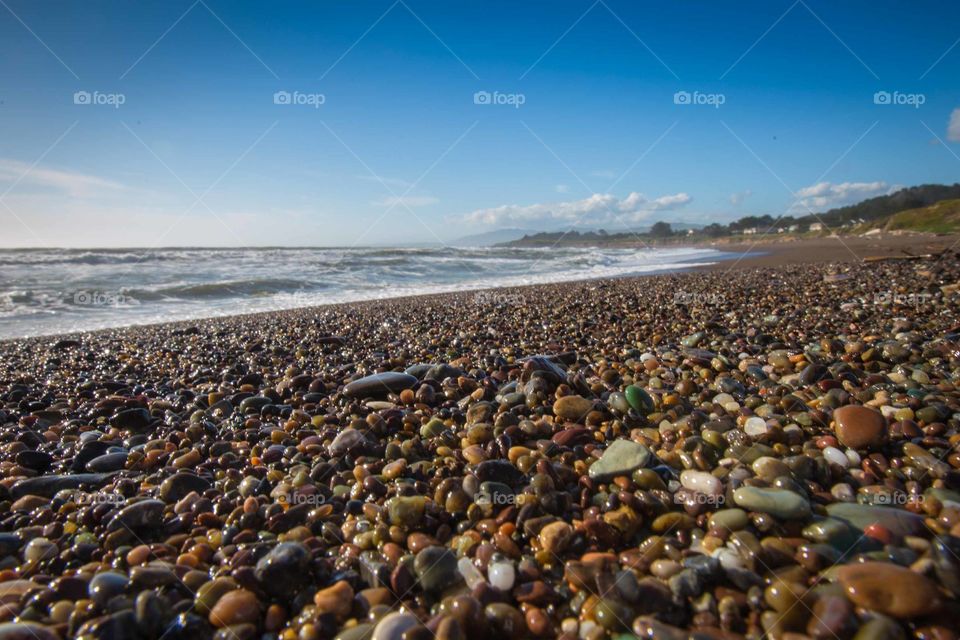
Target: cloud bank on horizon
{"type": "Point", "coordinates": [599, 208]}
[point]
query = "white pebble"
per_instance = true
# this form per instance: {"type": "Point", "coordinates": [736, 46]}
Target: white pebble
{"type": "Point", "coordinates": [722, 398]}
{"type": "Point", "coordinates": [501, 575]}
{"type": "Point", "coordinates": [471, 575]}
{"type": "Point", "coordinates": [843, 492]}
{"type": "Point", "coordinates": [728, 558]}
{"type": "Point", "coordinates": [587, 627]}
{"type": "Point", "coordinates": [755, 426]}
{"type": "Point", "coordinates": [701, 482]}
{"type": "Point", "coordinates": [888, 411]}
{"type": "Point", "coordinates": [835, 456]}
{"type": "Point", "coordinates": [853, 457]}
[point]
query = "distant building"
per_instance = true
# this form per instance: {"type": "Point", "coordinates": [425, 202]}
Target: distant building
{"type": "Point", "coordinates": [816, 226]}
{"type": "Point", "coordinates": [793, 228]}
{"type": "Point", "coordinates": [690, 232]}
{"type": "Point", "coordinates": [781, 229]}
{"type": "Point", "coordinates": [749, 231]}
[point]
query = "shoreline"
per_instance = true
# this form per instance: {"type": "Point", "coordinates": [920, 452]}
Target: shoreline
{"type": "Point", "coordinates": [764, 254]}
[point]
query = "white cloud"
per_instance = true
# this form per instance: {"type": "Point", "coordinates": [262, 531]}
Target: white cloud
{"type": "Point", "coordinates": [953, 129]}
{"type": "Point", "coordinates": [561, 188]}
{"type": "Point", "coordinates": [596, 209]}
{"type": "Point", "coordinates": [407, 201]}
{"type": "Point", "coordinates": [738, 197]}
{"type": "Point", "coordinates": [70, 182]}
{"type": "Point", "coordinates": [825, 195]}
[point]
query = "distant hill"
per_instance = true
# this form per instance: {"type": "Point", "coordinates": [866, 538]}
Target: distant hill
{"type": "Point", "coordinates": [490, 238]}
{"type": "Point", "coordinates": [906, 199]}
{"type": "Point", "coordinates": [942, 217]}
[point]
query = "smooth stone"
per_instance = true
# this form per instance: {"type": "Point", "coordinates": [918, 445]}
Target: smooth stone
{"type": "Point", "coordinates": [498, 471]}
{"type": "Point", "coordinates": [501, 575]}
{"type": "Point", "coordinates": [26, 631]}
{"type": "Point", "coordinates": [701, 482]}
{"type": "Point", "coordinates": [35, 460]}
{"type": "Point", "coordinates": [618, 402]}
{"type": "Point", "coordinates": [471, 575]}
{"type": "Point", "coordinates": [362, 631]}
{"type": "Point", "coordinates": [780, 503]}
{"type": "Point", "coordinates": [210, 592]}
{"type": "Point", "coordinates": [235, 607]}
{"type": "Point", "coordinates": [49, 486]}
{"type": "Point", "coordinates": [621, 458]}
{"type": "Point", "coordinates": [731, 519]}
{"type": "Point", "coordinates": [336, 599]}
{"type": "Point", "coordinates": [379, 385]}
{"type": "Point", "coordinates": [859, 427]}
{"type": "Point", "coordinates": [132, 419]}
{"type": "Point", "coordinates": [890, 589]}
{"type": "Point", "coordinates": [436, 568]}
{"type": "Point", "coordinates": [40, 549]}
{"type": "Point", "coordinates": [639, 399]}
{"type": "Point", "coordinates": [345, 441]}
{"type": "Point", "coordinates": [880, 628]}
{"type": "Point", "coordinates": [406, 511]}
{"type": "Point", "coordinates": [833, 531]}
{"type": "Point", "coordinates": [573, 408]}
{"type": "Point", "coordinates": [284, 568]}
{"type": "Point", "coordinates": [139, 515]}
{"type": "Point", "coordinates": [105, 586]}
{"type": "Point", "coordinates": [108, 462]}
{"type": "Point", "coordinates": [393, 626]}
{"type": "Point", "coordinates": [835, 456]}
{"type": "Point", "coordinates": [177, 486]}
{"type": "Point", "coordinates": [899, 522]}
{"type": "Point", "coordinates": [555, 537]}
{"type": "Point", "coordinates": [755, 427]}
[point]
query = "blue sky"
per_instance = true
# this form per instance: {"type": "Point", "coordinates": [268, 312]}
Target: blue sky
{"type": "Point", "coordinates": [362, 122]}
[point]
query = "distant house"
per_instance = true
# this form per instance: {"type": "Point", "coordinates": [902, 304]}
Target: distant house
{"type": "Point", "coordinates": [793, 228]}
{"type": "Point", "coordinates": [781, 229]}
{"type": "Point", "coordinates": [816, 226]}
{"type": "Point", "coordinates": [690, 232]}
{"type": "Point", "coordinates": [749, 231]}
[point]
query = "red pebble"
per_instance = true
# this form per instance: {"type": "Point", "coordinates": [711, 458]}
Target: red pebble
{"type": "Point", "coordinates": [879, 533]}
{"type": "Point", "coordinates": [826, 441]}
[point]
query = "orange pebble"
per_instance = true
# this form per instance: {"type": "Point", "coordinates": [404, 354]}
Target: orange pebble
{"type": "Point", "coordinates": [187, 560]}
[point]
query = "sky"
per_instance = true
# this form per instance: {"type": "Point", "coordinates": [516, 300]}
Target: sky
{"type": "Point", "coordinates": [365, 122]}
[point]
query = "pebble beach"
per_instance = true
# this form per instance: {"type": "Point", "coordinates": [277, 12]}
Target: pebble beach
{"type": "Point", "coordinates": [759, 452]}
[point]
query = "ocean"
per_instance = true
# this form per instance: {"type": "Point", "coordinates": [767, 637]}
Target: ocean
{"type": "Point", "coordinates": [50, 291]}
